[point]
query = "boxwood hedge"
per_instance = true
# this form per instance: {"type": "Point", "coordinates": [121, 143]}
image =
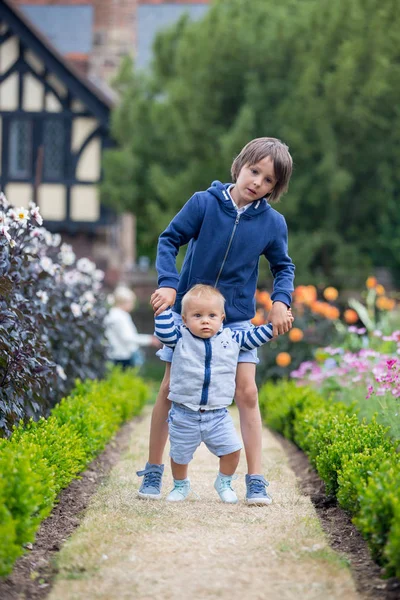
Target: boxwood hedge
{"type": "Point", "coordinates": [43, 457]}
{"type": "Point", "coordinates": [358, 461]}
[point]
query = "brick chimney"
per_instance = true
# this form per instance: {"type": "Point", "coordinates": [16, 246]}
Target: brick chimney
{"type": "Point", "coordinates": [113, 33]}
{"type": "Point", "coordinates": [113, 36]}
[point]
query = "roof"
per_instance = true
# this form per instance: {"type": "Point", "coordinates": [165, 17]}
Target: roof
{"type": "Point", "coordinates": [152, 18]}
{"type": "Point", "coordinates": [98, 101]}
{"type": "Point", "coordinates": [68, 28]}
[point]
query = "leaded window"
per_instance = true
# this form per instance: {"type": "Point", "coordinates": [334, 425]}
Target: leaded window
{"type": "Point", "coordinates": [54, 149]}
{"type": "Point", "coordinates": [20, 149]}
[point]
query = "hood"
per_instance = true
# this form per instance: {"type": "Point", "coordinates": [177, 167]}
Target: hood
{"type": "Point", "coordinates": [220, 191]}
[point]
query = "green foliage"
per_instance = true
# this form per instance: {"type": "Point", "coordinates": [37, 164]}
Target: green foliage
{"type": "Point", "coordinates": [42, 458]}
{"type": "Point", "coordinates": [348, 437]}
{"type": "Point", "coordinates": [379, 515]}
{"type": "Point", "coordinates": [356, 473]}
{"type": "Point", "coordinates": [356, 459]}
{"type": "Point", "coordinates": [323, 76]}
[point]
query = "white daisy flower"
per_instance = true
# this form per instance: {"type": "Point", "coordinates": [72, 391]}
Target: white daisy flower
{"type": "Point", "coordinates": [47, 265]}
{"type": "Point", "coordinates": [4, 231]}
{"type": "Point", "coordinates": [76, 309]}
{"type": "Point", "coordinates": [89, 297]}
{"type": "Point", "coordinates": [22, 215]}
{"type": "Point", "coordinates": [3, 200]}
{"type": "Point", "coordinates": [43, 296]}
{"type": "Point", "coordinates": [85, 265]}
{"type": "Point", "coordinates": [36, 215]}
{"type": "Point", "coordinates": [98, 275]}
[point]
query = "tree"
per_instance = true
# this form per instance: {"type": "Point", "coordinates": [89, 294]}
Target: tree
{"type": "Point", "coordinates": [321, 75]}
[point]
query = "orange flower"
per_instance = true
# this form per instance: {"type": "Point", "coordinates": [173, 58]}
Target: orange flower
{"type": "Point", "coordinates": [265, 299]}
{"type": "Point", "coordinates": [332, 313]}
{"type": "Point", "coordinates": [384, 303]}
{"type": "Point", "coordinates": [283, 359]}
{"type": "Point", "coordinates": [350, 316]}
{"type": "Point", "coordinates": [380, 290]}
{"type": "Point", "coordinates": [296, 334]}
{"type": "Point", "coordinates": [258, 318]}
{"type": "Point", "coordinates": [306, 294]}
{"type": "Point", "coordinates": [371, 282]}
{"type": "Point", "coordinates": [331, 293]}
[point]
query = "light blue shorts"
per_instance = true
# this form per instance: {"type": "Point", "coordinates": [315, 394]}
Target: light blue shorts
{"type": "Point", "coordinates": [245, 356]}
{"type": "Point", "coordinates": [188, 428]}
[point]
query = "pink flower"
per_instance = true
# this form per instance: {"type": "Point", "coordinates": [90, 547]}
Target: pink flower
{"type": "Point", "coordinates": [391, 362]}
{"type": "Point", "coordinates": [370, 392]}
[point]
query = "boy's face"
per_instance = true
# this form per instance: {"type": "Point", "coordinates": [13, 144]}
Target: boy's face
{"type": "Point", "coordinates": [254, 182]}
{"type": "Point", "coordinates": [203, 316]}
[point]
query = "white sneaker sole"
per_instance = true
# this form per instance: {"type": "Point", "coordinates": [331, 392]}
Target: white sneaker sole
{"type": "Point", "coordinates": [258, 501]}
{"type": "Point", "coordinates": [149, 496]}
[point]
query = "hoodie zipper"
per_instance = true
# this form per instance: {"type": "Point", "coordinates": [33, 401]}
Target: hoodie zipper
{"type": "Point", "coordinates": [228, 248]}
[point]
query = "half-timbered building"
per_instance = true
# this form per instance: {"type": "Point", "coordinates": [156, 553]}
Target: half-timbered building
{"type": "Point", "coordinates": [53, 128]}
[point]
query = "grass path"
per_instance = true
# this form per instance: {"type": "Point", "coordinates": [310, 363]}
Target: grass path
{"type": "Point", "coordinates": [128, 548]}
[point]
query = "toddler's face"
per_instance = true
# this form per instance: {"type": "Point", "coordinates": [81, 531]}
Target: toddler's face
{"type": "Point", "coordinates": [254, 182]}
{"type": "Point", "coordinates": [203, 316]}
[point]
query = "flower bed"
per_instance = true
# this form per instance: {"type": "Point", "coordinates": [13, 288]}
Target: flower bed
{"type": "Point", "coordinates": [357, 460]}
{"type": "Point", "coordinates": [51, 317]}
{"type": "Point", "coordinates": [323, 318]}
{"type": "Point", "coordinates": [39, 460]}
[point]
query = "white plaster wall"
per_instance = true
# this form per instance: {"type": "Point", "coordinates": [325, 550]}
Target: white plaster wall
{"type": "Point", "coordinates": [52, 103]}
{"type": "Point", "coordinates": [88, 168]}
{"type": "Point", "coordinates": [19, 194]}
{"type": "Point", "coordinates": [85, 205]}
{"type": "Point", "coordinates": [52, 200]}
{"type": "Point", "coordinates": [81, 129]}
{"type": "Point", "coordinates": [33, 94]}
{"type": "Point", "coordinates": [9, 93]}
{"type": "Point", "coordinates": [57, 85]}
{"type": "Point", "coordinates": [9, 54]}
{"type": "Point", "coordinates": [35, 62]}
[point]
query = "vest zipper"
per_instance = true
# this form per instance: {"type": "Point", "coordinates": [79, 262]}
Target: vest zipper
{"type": "Point", "coordinates": [207, 373]}
{"type": "Point", "coordinates": [228, 248]}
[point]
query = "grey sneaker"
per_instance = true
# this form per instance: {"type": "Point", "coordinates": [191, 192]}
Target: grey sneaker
{"type": "Point", "coordinates": [256, 492]}
{"type": "Point", "coordinates": [151, 484]}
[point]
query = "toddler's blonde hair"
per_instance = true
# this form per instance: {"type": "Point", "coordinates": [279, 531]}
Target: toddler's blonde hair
{"type": "Point", "coordinates": [201, 290]}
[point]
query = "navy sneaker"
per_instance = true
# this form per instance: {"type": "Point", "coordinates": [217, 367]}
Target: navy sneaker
{"type": "Point", "coordinates": [256, 492]}
{"type": "Point", "coordinates": [151, 484]}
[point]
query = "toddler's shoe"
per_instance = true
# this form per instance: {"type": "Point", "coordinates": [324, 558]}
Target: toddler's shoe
{"type": "Point", "coordinates": [256, 492]}
{"type": "Point", "coordinates": [223, 485]}
{"type": "Point", "coordinates": [181, 490]}
{"type": "Point", "coordinates": [152, 480]}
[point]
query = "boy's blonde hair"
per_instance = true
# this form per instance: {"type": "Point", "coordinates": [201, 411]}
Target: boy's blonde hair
{"type": "Point", "coordinates": [259, 149]}
{"type": "Point", "coordinates": [201, 290]}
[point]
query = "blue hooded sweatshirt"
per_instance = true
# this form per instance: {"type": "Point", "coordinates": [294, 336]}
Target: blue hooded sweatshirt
{"type": "Point", "coordinates": [224, 250]}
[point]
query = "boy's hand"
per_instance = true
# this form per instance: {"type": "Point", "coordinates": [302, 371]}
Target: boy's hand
{"type": "Point", "coordinates": [161, 299]}
{"type": "Point", "coordinates": [281, 318]}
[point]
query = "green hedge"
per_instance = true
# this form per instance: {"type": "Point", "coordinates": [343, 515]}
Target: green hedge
{"type": "Point", "coordinates": [357, 460]}
{"type": "Point", "coordinates": [42, 458]}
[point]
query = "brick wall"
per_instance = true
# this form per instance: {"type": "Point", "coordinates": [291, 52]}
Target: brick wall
{"type": "Point", "coordinates": [113, 32]}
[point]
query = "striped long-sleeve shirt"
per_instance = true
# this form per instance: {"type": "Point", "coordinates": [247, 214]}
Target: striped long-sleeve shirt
{"type": "Point", "coordinates": [203, 370]}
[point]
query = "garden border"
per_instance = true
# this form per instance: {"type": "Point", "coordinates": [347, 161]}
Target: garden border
{"type": "Point", "coordinates": [342, 534]}
{"type": "Point", "coordinates": [62, 521]}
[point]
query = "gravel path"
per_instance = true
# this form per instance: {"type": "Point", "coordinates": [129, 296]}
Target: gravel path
{"type": "Point", "coordinates": [128, 548]}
